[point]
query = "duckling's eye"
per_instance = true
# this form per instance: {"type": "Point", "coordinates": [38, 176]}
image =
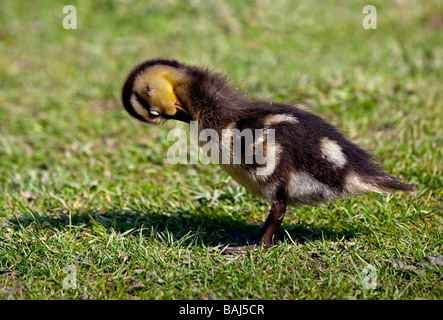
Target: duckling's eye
{"type": "Point", "coordinates": [148, 91]}
{"type": "Point", "coordinates": [154, 113]}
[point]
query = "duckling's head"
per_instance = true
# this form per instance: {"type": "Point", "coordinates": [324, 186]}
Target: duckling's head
{"type": "Point", "coordinates": [150, 91]}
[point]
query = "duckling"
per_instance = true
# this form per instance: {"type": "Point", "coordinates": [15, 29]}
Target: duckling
{"type": "Point", "coordinates": [312, 161]}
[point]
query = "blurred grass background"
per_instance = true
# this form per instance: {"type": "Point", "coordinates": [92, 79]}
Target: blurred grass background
{"type": "Point", "coordinates": [84, 184]}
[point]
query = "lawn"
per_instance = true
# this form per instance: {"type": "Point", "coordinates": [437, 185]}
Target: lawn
{"type": "Point", "coordinates": [90, 208]}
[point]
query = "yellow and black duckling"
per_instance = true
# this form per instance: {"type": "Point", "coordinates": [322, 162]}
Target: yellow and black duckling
{"type": "Point", "coordinates": [313, 162]}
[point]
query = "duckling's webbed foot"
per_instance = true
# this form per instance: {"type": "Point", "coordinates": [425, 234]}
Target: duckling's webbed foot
{"type": "Point", "coordinates": [268, 237]}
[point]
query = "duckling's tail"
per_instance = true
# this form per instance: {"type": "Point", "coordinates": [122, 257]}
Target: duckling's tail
{"type": "Point", "coordinates": [388, 183]}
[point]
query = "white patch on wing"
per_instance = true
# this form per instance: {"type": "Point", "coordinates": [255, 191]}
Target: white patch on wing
{"type": "Point", "coordinates": [332, 152]}
{"type": "Point", "coordinates": [305, 189]}
{"type": "Point", "coordinates": [273, 119]}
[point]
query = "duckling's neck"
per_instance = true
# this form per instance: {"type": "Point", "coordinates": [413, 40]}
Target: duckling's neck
{"type": "Point", "coordinates": [209, 98]}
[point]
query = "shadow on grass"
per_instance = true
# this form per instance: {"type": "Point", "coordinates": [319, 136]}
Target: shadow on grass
{"type": "Point", "coordinates": [210, 230]}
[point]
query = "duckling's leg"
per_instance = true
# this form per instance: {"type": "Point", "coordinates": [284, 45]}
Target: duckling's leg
{"type": "Point", "coordinates": [272, 224]}
{"type": "Point", "coordinates": [268, 236]}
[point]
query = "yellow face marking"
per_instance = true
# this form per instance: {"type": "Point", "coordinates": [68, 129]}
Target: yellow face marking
{"type": "Point", "coordinates": [154, 85]}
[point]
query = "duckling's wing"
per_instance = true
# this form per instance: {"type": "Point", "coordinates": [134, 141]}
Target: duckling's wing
{"type": "Point", "coordinates": [313, 160]}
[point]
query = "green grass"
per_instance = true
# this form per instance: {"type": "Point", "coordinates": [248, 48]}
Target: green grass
{"type": "Point", "coordinates": [83, 184]}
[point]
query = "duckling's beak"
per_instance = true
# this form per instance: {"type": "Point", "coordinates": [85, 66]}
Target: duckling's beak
{"type": "Point", "coordinates": [180, 106]}
{"type": "Point", "coordinates": [182, 114]}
